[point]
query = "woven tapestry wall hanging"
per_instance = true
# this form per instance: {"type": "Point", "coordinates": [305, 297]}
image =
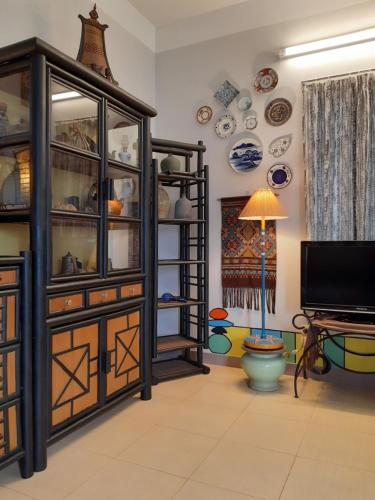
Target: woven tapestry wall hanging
{"type": "Point", "coordinates": [241, 258]}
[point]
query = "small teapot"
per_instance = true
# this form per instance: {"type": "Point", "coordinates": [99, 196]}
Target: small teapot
{"type": "Point", "coordinates": [69, 264]}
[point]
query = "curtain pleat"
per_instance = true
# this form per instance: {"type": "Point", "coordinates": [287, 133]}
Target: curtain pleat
{"type": "Point", "coordinates": [339, 150]}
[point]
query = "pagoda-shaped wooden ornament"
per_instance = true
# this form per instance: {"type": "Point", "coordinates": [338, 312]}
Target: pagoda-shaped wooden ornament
{"type": "Point", "coordinates": [92, 52]}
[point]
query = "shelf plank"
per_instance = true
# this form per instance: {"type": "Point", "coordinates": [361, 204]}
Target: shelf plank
{"type": "Point", "coordinates": [175, 343]}
{"type": "Point", "coordinates": [181, 221]}
{"type": "Point", "coordinates": [177, 262]}
{"type": "Point", "coordinates": [174, 368]}
{"type": "Point", "coordinates": [176, 303]}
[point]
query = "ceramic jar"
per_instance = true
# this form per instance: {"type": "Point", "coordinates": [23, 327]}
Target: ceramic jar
{"type": "Point", "coordinates": [263, 368]}
{"type": "Point", "coordinates": [170, 164]}
{"type": "Point", "coordinates": [114, 207]}
{"type": "Point", "coordinates": [164, 203]}
{"type": "Point", "coordinates": [183, 208]}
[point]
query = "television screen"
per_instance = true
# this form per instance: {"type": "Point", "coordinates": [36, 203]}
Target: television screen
{"type": "Point", "coordinates": [338, 276]}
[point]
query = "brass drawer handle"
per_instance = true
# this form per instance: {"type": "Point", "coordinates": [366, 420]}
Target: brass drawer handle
{"type": "Point", "coordinates": [104, 295]}
{"type": "Point", "coordinates": [68, 302]}
{"type": "Point", "coordinates": [131, 291]}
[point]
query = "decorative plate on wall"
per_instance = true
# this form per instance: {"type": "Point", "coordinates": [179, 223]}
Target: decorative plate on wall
{"type": "Point", "coordinates": [204, 115]}
{"type": "Point", "coordinates": [244, 103]}
{"type": "Point", "coordinates": [246, 154]}
{"type": "Point", "coordinates": [278, 112]}
{"type": "Point", "coordinates": [250, 121]}
{"type": "Point", "coordinates": [226, 93]}
{"type": "Point", "coordinates": [225, 126]}
{"type": "Point", "coordinates": [279, 176]}
{"type": "Point", "coordinates": [280, 146]}
{"type": "Point", "coordinates": [266, 80]}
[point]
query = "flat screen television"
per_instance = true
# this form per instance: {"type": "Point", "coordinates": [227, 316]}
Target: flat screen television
{"type": "Point", "coordinates": [338, 276]}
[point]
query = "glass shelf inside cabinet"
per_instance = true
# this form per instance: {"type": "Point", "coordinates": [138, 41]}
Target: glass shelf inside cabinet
{"type": "Point", "coordinates": [74, 246]}
{"type": "Point", "coordinates": [74, 119]}
{"type": "Point", "coordinates": [123, 246]}
{"type": "Point", "coordinates": [14, 103]}
{"type": "Point", "coordinates": [123, 193]}
{"type": "Point", "coordinates": [14, 178]}
{"type": "Point", "coordinates": [74, 182]}
{"type": "Point", "coordinates": [123, 139]}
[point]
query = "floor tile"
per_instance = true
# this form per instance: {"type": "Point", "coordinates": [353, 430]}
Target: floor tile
{"type": "Point", "coordinates": [7, 494]}
{"type": "Point", "coordinates": [199, 491]}
{"type": "Point", "coordinates": [318, 480]}
{"type": "Point", "coordinates": [225, 374]}
{"type": "Point", "coordinates": [111, 436]}
{"type": "Point", "coordinates": [123, 480]}
{"type": "Point", "coordinates": [235, 395]}
{"type": "Point", "coordinates": [182, 388]}
{"type": "Point", "coordinates": [155, 411]}
{"type": "Point", "coordinates": [245, 469]}
{"type": "Point", "coordinates": [201, 418]}
{"type": "Point", "coordinates": [272, 433]}
{"type": "Point", "coordinates": [345, 416]}
{"type": "Point", "coordinates": [67, 469]}
{"type": "Point", "coordinates": [353, 449]}
{"type": "Point", "coordinates": [295, 410]}
{"type": "Point", "coordinates": [170, 450]}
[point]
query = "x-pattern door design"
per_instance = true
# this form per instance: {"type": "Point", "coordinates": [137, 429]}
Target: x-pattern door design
{"type": "Point", "coordinates": [123, 351]}
{"type": "Point", "coordinates": [74, 371]}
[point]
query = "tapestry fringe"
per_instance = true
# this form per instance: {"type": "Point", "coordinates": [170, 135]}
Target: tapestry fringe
{"type": "Point", "coordinates": [249, 298]}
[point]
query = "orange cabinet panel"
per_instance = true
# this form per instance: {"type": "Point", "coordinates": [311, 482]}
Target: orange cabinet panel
{"type": "Point", "coordinates": [123, 351]}
{"type": "Point", "coordinates": [64, 303]}
{"type": "Point", "coordinates": [8, 315]}
{"type": "Point", "coordinates": [131, 290]}
{"type": "Point", "coordinates": [8, 277]}
{"type": "Point", "coordinates": [9, 429]}
{"type": "Point", "coordinates": [9, 372]}
{"type": "Point", "coordinates": [97, 297]}
{"type": "Point", "coordinates": [74, 371]}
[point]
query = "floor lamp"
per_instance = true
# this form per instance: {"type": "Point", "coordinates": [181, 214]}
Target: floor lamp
{"type": "Point", "coordinates": [263, 205]}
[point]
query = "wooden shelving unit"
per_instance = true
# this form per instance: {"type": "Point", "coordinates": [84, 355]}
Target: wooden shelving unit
{"type": "Point", "coordinates": [181, 354]}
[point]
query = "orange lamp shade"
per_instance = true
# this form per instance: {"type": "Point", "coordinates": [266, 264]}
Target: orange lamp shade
{"type": "Point", "coordinates": [263, 204]}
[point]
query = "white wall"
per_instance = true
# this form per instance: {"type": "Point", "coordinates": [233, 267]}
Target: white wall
{"type": "Point", "coordinates": [130, 38]}
{"type": "Point", "coordinates": [188, 77]}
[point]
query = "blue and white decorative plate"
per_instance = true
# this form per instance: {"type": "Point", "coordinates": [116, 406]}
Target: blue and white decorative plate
{"type": "Point", "coordinates": [280, 146]}
{"type": "Point", "coordinates": [225, 126]}
{"type": "Point", "coordinates": [279, 176]}
{"type": "Point", "coordinates": [244, 103]}
{"type": "Point", "coordinates": [250, 121]}
{"type": "Point", "coordinates": [226, 93]}
{"type": "Point", "coordinates": [246, 154]}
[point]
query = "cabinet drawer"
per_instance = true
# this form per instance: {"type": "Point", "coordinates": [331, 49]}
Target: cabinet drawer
{"type": "Point", "coordinates": [131, 290]}
{"type": "Point", "coordinates": [8, 277]}
{"type": "Point", "coordinates": [64, 303]}
{"type": "Point", "coordinates": [9, 373]}
{"type": "Point", "coordinates": [10, 438]}
{"type": "Point", "coordinates": [102, 296]}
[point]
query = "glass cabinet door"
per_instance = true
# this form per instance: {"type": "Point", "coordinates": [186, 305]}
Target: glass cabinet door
{"type": "Point", "coordinates": [123, 245]}
{"type": "Point", "coordinates": [74, 118]}
{"type": "Point", "coordinates": [123, 193]}
{"type": "Point", "coordinates": [14, 102]}
{"type": "Point", "coordinates": [74, 246]}
{"type": "Point", "coordinates": [14, 178]}
{"type": "Point", "coordinates": [123, 139]}
{"type": "Point", "coordinates": [74, 183]}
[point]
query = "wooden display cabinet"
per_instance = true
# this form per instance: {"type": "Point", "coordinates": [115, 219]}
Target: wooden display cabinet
{"type": "Point", "coordinates": [75, 159]}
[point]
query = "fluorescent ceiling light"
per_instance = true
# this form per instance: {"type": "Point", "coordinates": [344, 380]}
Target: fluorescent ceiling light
{"type": "Point", "coordinates": [329, 43]}
{"type": "Point", "coordinates": [61, 96]}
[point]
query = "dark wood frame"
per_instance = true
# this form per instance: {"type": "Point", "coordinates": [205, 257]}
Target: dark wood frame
{"type": "Point", "coordinates": [45, 61]}
{"type": "Point", "coordinates": [191, 360]}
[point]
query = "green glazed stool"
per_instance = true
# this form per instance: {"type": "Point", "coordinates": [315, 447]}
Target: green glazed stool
{"type": "Point", "coordinates": [264, 368]}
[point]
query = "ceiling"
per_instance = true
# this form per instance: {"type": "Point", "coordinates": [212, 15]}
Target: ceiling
{"type": "Point", "coordinates": [165, 12]}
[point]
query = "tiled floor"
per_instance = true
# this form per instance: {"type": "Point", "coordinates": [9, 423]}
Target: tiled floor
{"type": "Point", "coordinates": [212, 438]}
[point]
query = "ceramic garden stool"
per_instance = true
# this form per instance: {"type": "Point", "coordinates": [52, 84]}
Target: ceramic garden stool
{"type": "Point", "coordinates": [263, 367]}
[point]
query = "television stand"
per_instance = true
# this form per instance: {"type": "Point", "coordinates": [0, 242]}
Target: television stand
{"type": "Point", "coordinates": [319, 329]}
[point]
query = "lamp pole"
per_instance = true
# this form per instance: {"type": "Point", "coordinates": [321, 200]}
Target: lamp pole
{"type": "Point", "coordinates": [263, 250]}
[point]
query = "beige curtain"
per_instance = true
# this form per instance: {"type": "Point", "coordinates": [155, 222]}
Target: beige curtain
{"type": "Point", "coordinates": [339, 149]}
